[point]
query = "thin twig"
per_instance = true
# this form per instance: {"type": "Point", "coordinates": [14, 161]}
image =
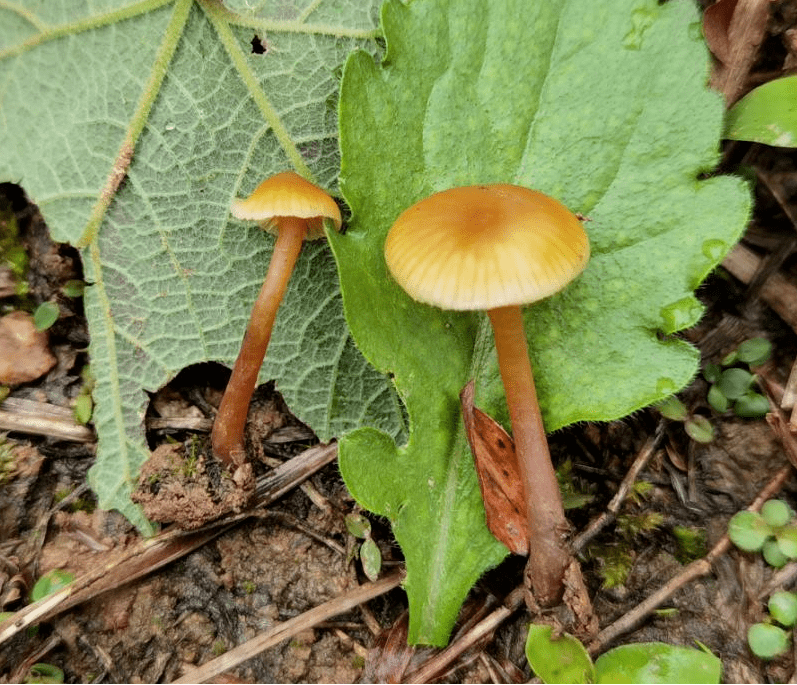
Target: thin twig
{"type": "Point", "coordinates": [613, 508]}
{"type": "Point", "coordinates": [40, 418]}
{"type": "Point", "coordinates": [440, 661]}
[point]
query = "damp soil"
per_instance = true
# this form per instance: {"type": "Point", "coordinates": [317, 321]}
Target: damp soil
{"type": "Point", "coordinates": [273, 566]}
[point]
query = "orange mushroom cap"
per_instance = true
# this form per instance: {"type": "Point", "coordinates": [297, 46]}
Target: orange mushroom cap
{"type": "Point", "coordinates": [487, 246]}
{"type": "Point", "coordinates": [288, 195]}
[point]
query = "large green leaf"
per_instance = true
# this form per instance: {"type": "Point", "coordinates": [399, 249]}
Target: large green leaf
{"type": "Point", "coordinates": [602, 105]}
{"type": "Point", "coordinates": [133, 125]}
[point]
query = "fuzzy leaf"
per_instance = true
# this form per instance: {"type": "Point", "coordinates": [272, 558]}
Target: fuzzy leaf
{"type": "Point", "coordinates": [599, 104]}
{"type": "Point", "coordinates": [133, 124]}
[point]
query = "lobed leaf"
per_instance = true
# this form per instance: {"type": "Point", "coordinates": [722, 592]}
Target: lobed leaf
{"type": "Point", "coordinates": [604, 107]}
{"type": "Point", "coordinates": [133, 124]}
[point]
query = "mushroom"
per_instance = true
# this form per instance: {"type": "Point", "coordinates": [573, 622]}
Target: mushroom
{"type": "Point", "coordinates": [294, 209]}
{"type": "Point", "coordinates": [495, 248]}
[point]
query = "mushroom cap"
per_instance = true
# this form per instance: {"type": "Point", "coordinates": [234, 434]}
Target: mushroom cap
{"type": "Point", "coordinates": [288, 195]}
{"type": "Point", "coordinates": [486, 246]}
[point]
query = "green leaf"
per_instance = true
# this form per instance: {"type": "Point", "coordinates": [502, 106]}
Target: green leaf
{"type": "Point", "coordinates": [673, 409]}
{"type": "Point", "coordinates": [46, 315]}
{"type": "Point", "coordinates": [149, 117]}
{"type": "Point", "coordinates": [767, 114]}
{"type": "Point", "coordinates": [783, 607]}
{"type": "Point", "coordinates": [601, 105]}
{"type": "Point", "coordinates": [751, 405]}
{"type": "Point", "coordinates": [711, 372]}
{"type": "Point", "coordinates": [767, 641]}
{"type": "Point", "coordinates": [733, 383]}
{"type": "Point", "coordinates": [657, 662]}
{"type": "Point", "coordinates": [748, 530]}
{"type": "Point", "coordinates": [699, 428]}
{"type": "Point", "coordinates": [755, 351]}
{"type": "Point", "coordinates": [371, 558]}
{"type": "Point", "coordinates": [83, 408]}
{"type": "Point", "coordinates": [787, 541]}
{"type": "Point", "coordinates": [560, 660]}
{"type": "Point", "coordinates": [45, 673]}
{"type": "Point", "coordinates": [358, 525]}
{"type": "Point", "coordinates": [74, 288]}
{"type": "Point", "coordinates": [717, 400]}
{"type": "Point", "coordinates": [51, 582]}
{"type": "Point", "coordinates": [776, 512]}
{"type": "Point", "coordinates": [773, 555]}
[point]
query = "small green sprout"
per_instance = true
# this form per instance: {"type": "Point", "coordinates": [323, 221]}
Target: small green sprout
{"type": "Point", "coordinates": [370, 556]}
{"type": "Point", "coordinates": [732, 387]}
{"type": "Point", "coordinates": [46, 315]}
{"type": "Point", "coordinates": [51, 582]}
{"type": "Point", "coordinates": [767, 641]}
{"type": "Point", "coordinates": [697, 427]}
{"type": "Point", "coordinates": [45, 673]}
{"type": "Point", "coordinates": [773, 532]}
{"type": "Point", "coordinates": [74, 288]}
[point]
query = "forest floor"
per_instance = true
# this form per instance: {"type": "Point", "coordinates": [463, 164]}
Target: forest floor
{"type": "Point", "coordinates": [245, 586]}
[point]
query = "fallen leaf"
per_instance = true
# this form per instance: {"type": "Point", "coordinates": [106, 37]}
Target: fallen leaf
{"type": "Point", "coordinates": [716, 25]}
{"type": "Point", "coordinates": [24, 354]}
{"type": "Point", "coordinates": [499, 478]}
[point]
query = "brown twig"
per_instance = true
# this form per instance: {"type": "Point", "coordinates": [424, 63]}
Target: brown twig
{"type": "Point", "coordinates": [613, 508]}
{"type": "Point", "coordinates": [40, 418]}
{"type": "Point", "coordinates": [443, 659]}
{"type": "Point", "coordinates": [779, 293]}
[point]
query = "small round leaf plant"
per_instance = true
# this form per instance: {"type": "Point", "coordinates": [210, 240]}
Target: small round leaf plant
{"type": "Point", "coordinates": [294, 209]}
{"type": "Point", "coordinates": [496, 248]}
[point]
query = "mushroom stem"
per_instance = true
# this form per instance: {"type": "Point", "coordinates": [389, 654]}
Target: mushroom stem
{"type": "Point", "coordinates": [547, 525]}
{"type": "Point", "coordinates": [227, 437]}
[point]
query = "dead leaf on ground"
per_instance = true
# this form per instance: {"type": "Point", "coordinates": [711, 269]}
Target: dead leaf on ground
{"type": "Point", "coordinates": [24, 354]}
{"type": "Point", "coordinates": [734, 31]}
{"type": "Point", "coordinates": [499, 478]}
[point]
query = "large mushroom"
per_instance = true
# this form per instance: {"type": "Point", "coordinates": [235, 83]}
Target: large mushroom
{"type": "Point", "coordinates": [495, 248]}
{"type": "Point", "coordinates": [294, 209]}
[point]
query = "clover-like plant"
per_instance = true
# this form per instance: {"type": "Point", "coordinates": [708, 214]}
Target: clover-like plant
{"type": "Point", "coordinates": [732, 382]}
{"type": "Point", "coordinates": [773, 532]}
{"type": "Point", "coordinates": [768, 640]}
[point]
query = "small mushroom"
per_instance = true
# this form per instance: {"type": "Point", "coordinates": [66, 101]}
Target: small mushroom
{"type": "Point", "coordinates": [495, 248]}
{"type": "Point", "coordinates": [294, 209]}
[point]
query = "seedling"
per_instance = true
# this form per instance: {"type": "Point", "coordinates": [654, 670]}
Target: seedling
{"type": "Point", "coordinates": [84, 405]}
{"type": "Point", "coordinates": [370, 556]}
{"type": "Point", "coordinates": [50, 582]}
{"type": "Point", "coordinates": [732, 382]}
{"type": "Point", "coordinates": [697, 427]}
{"type": "Point", "coordinates": [45, 673]}
{"type": "Point", "coordinates": [616, 560]}
{"type": "Point", "coordinates": [773, 532]}
{"type": "Point", "coordinates": [767, 640]}
{"type": "Point", "coordinates": [46, 315]}
{"type": "Point", "coordinates": [564, 659]}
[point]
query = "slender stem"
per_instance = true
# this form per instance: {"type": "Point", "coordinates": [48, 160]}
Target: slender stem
{"type": "Point", "coordinates": [548, 554]}
{"type": "Point", "coordinates": [227, 437]}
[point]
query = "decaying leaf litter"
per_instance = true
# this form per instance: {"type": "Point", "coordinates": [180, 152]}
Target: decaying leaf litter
{"type": "Point", "coordinates": [723, 477]}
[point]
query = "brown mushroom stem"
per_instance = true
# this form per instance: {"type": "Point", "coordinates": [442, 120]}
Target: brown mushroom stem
{"type": "Point", "coordinates": [547, 525]}
{"type": "Point", "coordinates": [227, 437]}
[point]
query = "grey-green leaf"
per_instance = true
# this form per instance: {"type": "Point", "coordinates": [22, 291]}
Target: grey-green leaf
{"type": "Point", "coordinates": [133, 125]}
